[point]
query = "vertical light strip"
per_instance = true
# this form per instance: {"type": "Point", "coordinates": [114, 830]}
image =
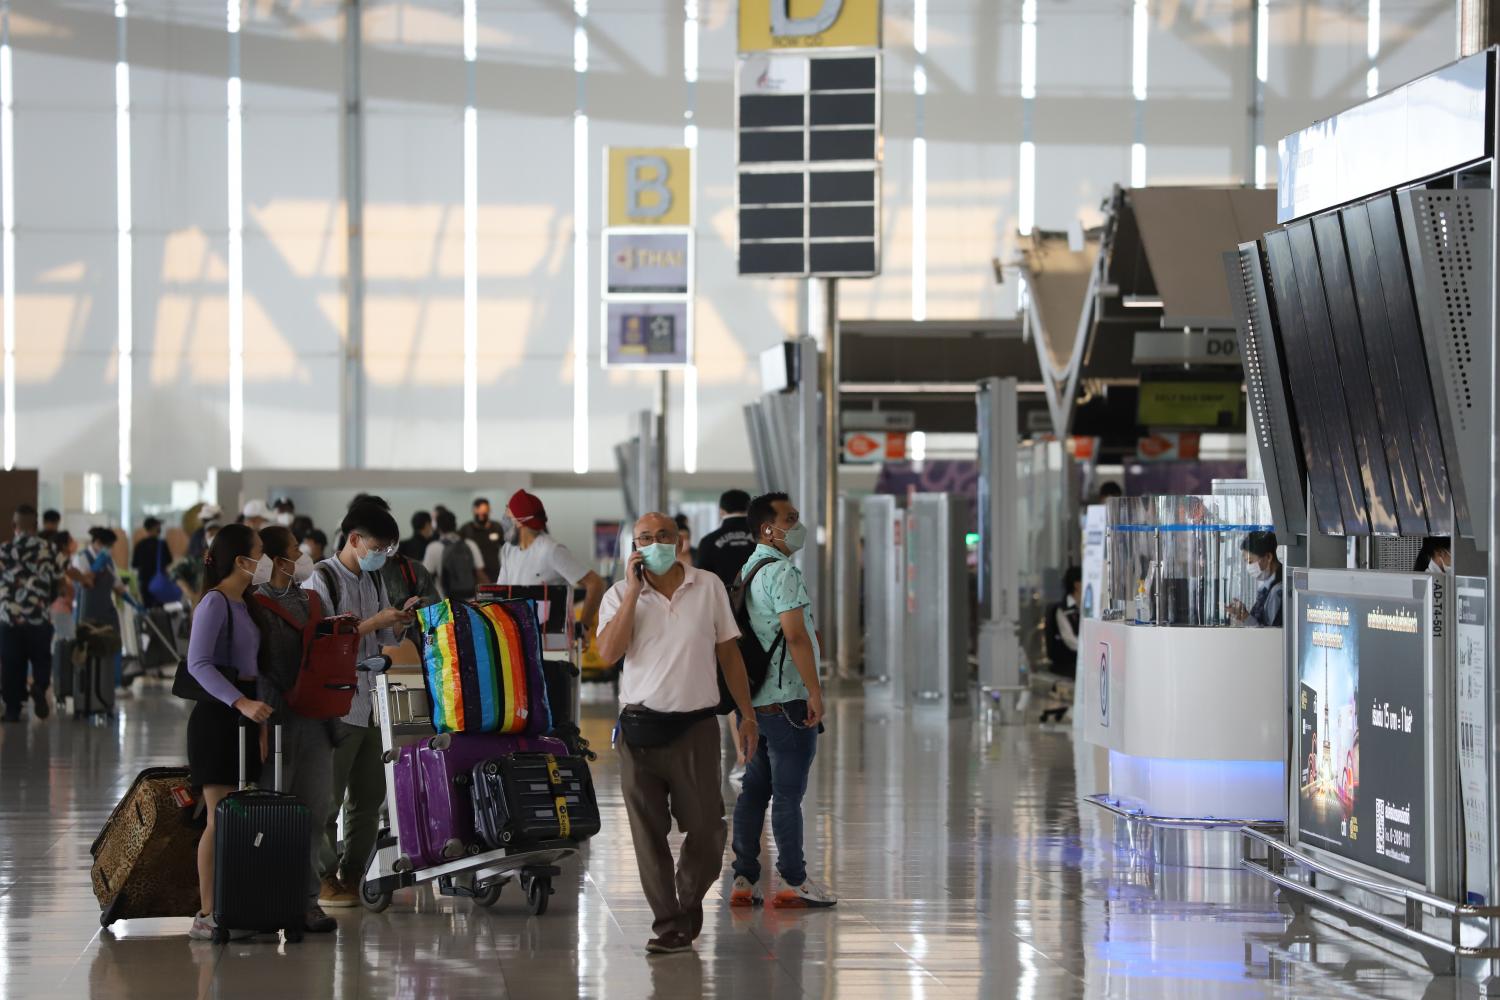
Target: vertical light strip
{"type": "Point", "coordinates": [690, 140]}
{"type": "Point", "coordinates": [8, 238]}
{"type": "Point", "coordinates": [1026, 177]}
{"type": "Point", "coordinates": [1260, 166]}
{"type": "Point", "coordinates": [126, 305]}
{"type": "Point", "coordinates": [1262, 40]}
{"type": "Point", "coordinates": [236, 188]}
{"type": "Point", "coordinates": [471, 239]}
{"type": "Point", "coordinates": [580, 240]}
{"type": "Point", "coordinates": [1372, 49]}
{"type": "Point", "coordinates": [919, 162]}
{"type": "Point", "coordinates": [1140, 29]}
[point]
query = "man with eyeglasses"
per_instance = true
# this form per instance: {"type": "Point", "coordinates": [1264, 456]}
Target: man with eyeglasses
{"type": "Point", "coordinates": [350, 584]}
{"type": "Point", "coordinates": [789, 706]}
{"type": "Point", "coordinates": [670, 623]}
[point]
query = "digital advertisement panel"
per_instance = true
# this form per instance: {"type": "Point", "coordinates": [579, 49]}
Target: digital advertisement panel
{"type": "Point", "coordinates": [1362, 730]}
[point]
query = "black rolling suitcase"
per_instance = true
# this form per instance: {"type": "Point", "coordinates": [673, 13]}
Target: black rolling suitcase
{"type": "Point", "coordinates": [526, 798]}
{"type": "Point", "coordinates": [261, 856]}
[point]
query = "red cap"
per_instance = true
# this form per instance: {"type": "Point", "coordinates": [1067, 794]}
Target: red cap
{"type": "Point", "coordinates": [527, 509]}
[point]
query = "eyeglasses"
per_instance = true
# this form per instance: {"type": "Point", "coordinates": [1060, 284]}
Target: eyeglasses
{"type": "Point", "coordinates": [663, 537]}
{"type": "Point", "coordinates": [377, 549]}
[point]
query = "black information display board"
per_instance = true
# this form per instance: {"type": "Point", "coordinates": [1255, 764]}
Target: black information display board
{"type": "Point", "coordinates": [808, 131]}
{"type": "Point", "coordinates": [1362, 729]}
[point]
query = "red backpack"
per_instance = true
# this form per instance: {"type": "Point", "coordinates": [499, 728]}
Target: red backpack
{"type": "Point", "coordinates": [330, 649]}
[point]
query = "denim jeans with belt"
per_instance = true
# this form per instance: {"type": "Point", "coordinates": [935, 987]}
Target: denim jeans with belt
{"type": "Point", "coordinates": [776, 776]}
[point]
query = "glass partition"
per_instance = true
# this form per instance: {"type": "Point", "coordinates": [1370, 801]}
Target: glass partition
{"type": "Point", "coordinates": [1177, 560]}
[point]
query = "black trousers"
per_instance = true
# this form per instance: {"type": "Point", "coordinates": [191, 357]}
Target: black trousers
{"type": "Point", "coordinates": [23, 648]}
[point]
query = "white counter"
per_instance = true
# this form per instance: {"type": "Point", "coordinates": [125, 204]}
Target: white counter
{"type": "Point", "coordinates": [1194, 718]}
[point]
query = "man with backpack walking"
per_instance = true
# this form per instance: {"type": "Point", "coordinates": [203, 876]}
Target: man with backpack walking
{"type": "Point", "coordinates": [454, 561]}
{"type": "Point", "coordinates": [788, 701]}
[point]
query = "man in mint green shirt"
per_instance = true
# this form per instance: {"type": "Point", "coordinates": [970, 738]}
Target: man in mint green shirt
{"type": "Point", "coordinates": [788, 706]}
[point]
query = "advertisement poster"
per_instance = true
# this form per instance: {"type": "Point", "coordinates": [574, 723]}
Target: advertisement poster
{"type": "Point", "coordinates": [1473, 744]}
{"type": "Point", "coordinates": [646, 334]}
{"type": "Point", "coordinates": [1362, 730]}
{"type": "Point", "coordinates": [646, 263]}
{"type": "Point", "coordinates": [1093, 561]}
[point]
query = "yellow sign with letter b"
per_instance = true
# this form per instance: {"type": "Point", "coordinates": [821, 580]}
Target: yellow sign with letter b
{"type": "Point", "coordinates": [809, 24]}
{"type": "Point", "coordinates": [651, 186]}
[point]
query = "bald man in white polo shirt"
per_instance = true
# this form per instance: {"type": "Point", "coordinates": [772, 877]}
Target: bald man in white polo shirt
{"type": "Point", "coordinates": [671, 623]}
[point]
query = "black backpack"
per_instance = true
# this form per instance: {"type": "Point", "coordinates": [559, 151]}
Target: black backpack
{"type": "Point", "coordinates": [460, 576]}
{"type": "Point", "coordinates": [757, 658]}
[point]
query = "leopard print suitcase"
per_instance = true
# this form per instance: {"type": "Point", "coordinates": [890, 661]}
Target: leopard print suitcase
{"type": "Point", "coordinates": [146, 857]}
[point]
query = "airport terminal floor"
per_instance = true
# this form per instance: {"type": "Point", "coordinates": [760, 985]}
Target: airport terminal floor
{"type": "Point", "coordinates": [966, 865]}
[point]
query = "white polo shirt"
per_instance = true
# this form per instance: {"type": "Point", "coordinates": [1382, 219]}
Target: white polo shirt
{"type": "Point", "coordinates": [670, 664]}
{"type": "Point", "coordinates": [546, 562]}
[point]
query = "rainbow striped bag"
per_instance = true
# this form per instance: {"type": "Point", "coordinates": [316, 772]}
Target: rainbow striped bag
{"type": "Point", "coordinates": [481, 661]}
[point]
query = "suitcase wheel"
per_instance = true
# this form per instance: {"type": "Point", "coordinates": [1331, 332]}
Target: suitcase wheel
{"type": "Point", "coordinates": [453, 849]}
{"type": "Point", "coordinates": [538, 895]}
{"type": "Point", "coordinates": [294, 935]}
{"type": "Point", "coordinates": [390, 756]}
{"type": "Point", "coordinates": [490, 894]}
{"type": "Point", "coordinates": [373, 900]}
{"type": "Point", "coordinates": [402, 865]}
{"type": "Point", "coordinates": [475, 848]}
{"type": "Point", "coordinates": [505, 837]}
{"type": "Point", "coordinates": [440, 742]}
{"type": "Point", "coordinates": [108, 917]}
{"type": "Point", "coordinates": [492, 768]}
{"type": "Point", "coordinates": [461, 780]}
{"type": "Point", "coordinates": [221, 935]}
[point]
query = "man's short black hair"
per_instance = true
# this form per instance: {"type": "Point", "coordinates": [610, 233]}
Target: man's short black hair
{"type": "Point", "coordinates": [151, 524]}
{"type": "Point", "coordinates": [1071, 578]}
{"type": "Point", "coordinates": [420, 520]}
{"type": "Point", "coordinates": [763, 511]}
{"type": "Point", "coordinates": [50, 516]}
{"type": "Point", "coordinates": [1259, 543]}
{"type": "Point", "coordinates": [447, 522]}
{"type": "Point", "coordinates": [478, 501]}
{"type": "Point", "coordinates": [373, 520]}
{"type": "Point", "coordinates": [316, 536]}
{"type": "Point", "coordinates": [26, 510]}
{"type": "Point", "coordinates": [734, 501]}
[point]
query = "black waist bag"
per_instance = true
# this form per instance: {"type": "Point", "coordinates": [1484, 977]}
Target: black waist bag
{"type": "Point", "coordinates": [642, 729]}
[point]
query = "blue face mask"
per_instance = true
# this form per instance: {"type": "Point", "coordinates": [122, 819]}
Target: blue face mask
{"type": "Point", "coordinates": [659, 557]}
{"type": "Point", "coordinates": [795, 537]}
{"type": "Point", "coordinates": [371, 562]}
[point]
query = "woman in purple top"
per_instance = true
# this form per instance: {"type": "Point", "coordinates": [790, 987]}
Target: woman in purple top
{"type": "Point", "coordinates": [224, 644]}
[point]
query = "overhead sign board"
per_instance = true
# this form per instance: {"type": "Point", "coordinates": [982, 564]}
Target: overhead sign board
{"type": "Point", "coordinates": [646, 263]}
{"type": "Point", "coordinates": [1152, 348]}
{"type": "Point", "coordinates": [809, 24]}
{"type": "Point", "coordinates": [874, 447]}
{"type": "Point", "coordinates": [1201, 405]}
{"type": "Point", "coordinates": [650, 186]}
{"type": "Point", "coordinates": [647, 334]}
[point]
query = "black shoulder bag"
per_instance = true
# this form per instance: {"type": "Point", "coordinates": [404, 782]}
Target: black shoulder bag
{"type": "Point", "coordinates": [186, 686]}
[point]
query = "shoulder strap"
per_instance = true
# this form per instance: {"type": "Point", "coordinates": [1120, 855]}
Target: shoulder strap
{"type": "Point", "coordinates": [757, 568]}
{"type": "Point", "coordinates": [407, 572]}
{"type": "Point", "coordinates": [314, 606]}
{"type": "Point", "coordinates": [274, 606]}
{"type": "Point", "coordinates": [331, 581]}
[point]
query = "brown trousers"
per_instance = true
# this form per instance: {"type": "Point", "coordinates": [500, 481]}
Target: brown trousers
{"type": "Point", "coordinates": [679, 781]}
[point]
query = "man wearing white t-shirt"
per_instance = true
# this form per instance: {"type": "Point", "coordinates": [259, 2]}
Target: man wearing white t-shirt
{"type": "Point", "coordinates": [534, 558]}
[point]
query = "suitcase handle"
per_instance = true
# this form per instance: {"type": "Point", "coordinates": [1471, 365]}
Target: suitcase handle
{"type": "Point", "coordinates": [242, 734]}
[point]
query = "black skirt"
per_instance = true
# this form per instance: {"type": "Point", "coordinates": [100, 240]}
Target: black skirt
{"type": "Point", "coordinates": [213, 753]}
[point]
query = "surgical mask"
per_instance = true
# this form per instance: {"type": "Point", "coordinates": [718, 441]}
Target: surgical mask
{"type": "Point", "coordinates": [304, 567]}
{"type": "Point", "coordinates": [285, 518]}
{"type": "Point", "coordinates": [371, 563]}
{"type": "Point", "coordinates": [306, 549]}
{"type": "Point", "coordinates": [509, 528]}
{"type": "Point", "coordinates": [659, 557]}
{"type": "Point", "coordinates": [795, 537]}
{"type": "Point", "coordinates": [262, 573]}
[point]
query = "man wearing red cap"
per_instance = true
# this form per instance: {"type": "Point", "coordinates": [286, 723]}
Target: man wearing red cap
{"type": "Point", "coordinates": [534, 558]}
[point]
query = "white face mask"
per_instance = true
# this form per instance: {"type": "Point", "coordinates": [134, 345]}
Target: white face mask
{"type": "Point", "coordinates": [262, 573]}
{"type": "Point", "coordinates": [285, 518]}
{"type": "Point", "coordinates": [304, 568]}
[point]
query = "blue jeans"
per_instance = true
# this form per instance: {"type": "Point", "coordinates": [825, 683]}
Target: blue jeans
{"type": "Point", "coordinates": [777, 777]}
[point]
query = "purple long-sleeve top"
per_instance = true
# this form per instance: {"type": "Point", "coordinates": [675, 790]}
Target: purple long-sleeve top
{"type": "Point", "coordinates": [209, 647]}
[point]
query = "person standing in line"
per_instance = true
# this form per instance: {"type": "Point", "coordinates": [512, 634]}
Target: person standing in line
{"type": "Point", "coordinates": [686, 554]}
{"type": "Point", "coordinates": [256, 514]}
{"type": "Point", "coordinates": [222, 658]}
{"type": "Point", "coordinates": [724, 550]}
{"type": "Point", "coordinates": [789, 706]}
{"type": "Point", "coordinates": [535, 558]}
{"type": "Point", "coordinates": [453, 561]}
{"type": "Point", "coordinates": [31, 570]}
{"type": "Point", "coordinates": [488, 536]}
{"type": "Point", "coordinates": [98, 584]}
{"type": "Point", "coordinates": [149, 558]}
{"type": "Point", "coordinates": [315, 544]}
{"type": "Point", "coordinates": [415, 547]}
{"type": "Point", "coordinates": [51, 525]}
{"type": "Point", "coordinates": [350, 584]}
{"type": "Point", "coordinates": [670, 623]}
{"type": "Point", "coordinates": [306, 744]}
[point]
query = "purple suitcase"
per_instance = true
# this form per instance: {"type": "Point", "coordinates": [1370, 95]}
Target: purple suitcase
{"type": "Point", "coordinates": [436, 808]}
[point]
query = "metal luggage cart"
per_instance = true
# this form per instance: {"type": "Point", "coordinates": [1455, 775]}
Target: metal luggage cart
{"type": "Point", "coordinates": [480, 875]}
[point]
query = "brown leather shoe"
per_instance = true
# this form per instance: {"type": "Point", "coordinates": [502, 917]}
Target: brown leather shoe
{"type": "Point", "coordinates": [670, 943]}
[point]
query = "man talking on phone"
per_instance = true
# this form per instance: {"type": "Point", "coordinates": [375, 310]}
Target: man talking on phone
{"type": "Point", "coordinates": [350, 584]}
{"type": "Point", "coordinates": [670, 623]}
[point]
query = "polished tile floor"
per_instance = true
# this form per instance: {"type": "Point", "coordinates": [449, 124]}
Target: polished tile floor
{"type": "Point", "coordinates": [966, 865]}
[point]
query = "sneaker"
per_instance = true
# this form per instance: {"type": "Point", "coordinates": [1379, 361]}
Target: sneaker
{"type": "Point", "coordinates": [745, 893]}
{"type": "Point", "coordinates": [670, 943]}
{"type": "Point", "coordinates": [318, 922]}
{"type": "Point", "coordinates": [336, 895]}
{"type": "Point", "coordinates": [808, 894]}
{"type": "Point", "coordinates": [204, 926]}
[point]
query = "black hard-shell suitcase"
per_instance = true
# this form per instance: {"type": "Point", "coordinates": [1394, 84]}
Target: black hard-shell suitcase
{"type": "Point", "coordinates": [527, 798]}
{"type": "Point", "coordinates": [261, 843]}
{"type": "Point", "coordinates": [93, 686]}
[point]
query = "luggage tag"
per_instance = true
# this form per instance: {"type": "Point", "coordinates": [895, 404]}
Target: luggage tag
{"type": "Point", "coordinates": [183, 796]}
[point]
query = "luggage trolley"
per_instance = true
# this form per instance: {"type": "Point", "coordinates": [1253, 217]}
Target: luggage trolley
{"type": "Point", "coordinates": [404, 717]}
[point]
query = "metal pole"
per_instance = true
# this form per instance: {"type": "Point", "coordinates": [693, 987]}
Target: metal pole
{"type": "Point", "coordinates": [832, 449]}
{"type": "Point", "coordinates": [1478, 25]}
{"type": "Point", "coordinates": [1257, 108]}
{"type": "Point", "coordinates": [352, 396]}
{"type": "Point", "coordinates": [661, 443]}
